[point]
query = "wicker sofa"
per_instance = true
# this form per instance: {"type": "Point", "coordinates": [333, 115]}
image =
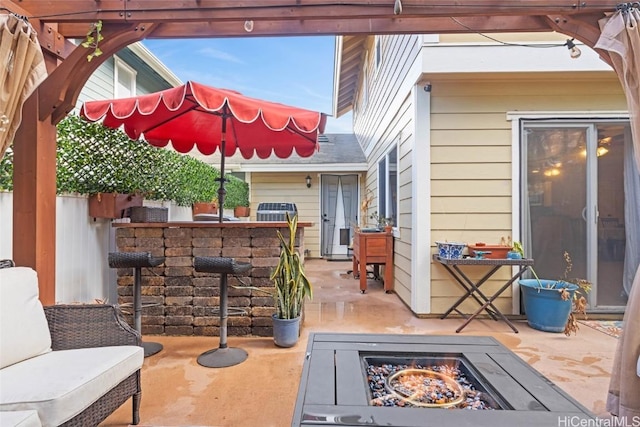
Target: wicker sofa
{"type": "Point", "coordinates": [71, 364]}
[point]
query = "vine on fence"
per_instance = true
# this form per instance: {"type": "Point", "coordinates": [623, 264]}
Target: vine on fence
{"type": "Point", "coordinates": [94, 159]}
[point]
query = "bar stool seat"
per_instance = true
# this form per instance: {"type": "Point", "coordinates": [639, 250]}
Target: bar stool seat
{"type": "Point", "coordinates": [222, 356]}
{"type": "Point", "coordinates": [137, 260]}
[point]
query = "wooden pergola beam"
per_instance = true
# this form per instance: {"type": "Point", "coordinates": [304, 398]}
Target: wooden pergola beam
{"type": "Point", "coordinates": [225, 10]}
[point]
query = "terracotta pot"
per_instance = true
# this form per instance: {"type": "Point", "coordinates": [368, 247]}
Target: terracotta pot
{"type": "Point", "coordinates": [241, 211]}
{"type": "Point", "coordinates": [204, 208]}
{"type": "Point", "coordinates": [112, 205]}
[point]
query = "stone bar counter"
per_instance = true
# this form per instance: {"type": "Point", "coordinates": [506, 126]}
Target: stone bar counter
{"type": "Point", "coordinates": [182, 301]}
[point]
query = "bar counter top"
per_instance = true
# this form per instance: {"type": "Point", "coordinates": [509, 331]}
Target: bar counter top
{"type": "Point", "coordinates": [209, 224]}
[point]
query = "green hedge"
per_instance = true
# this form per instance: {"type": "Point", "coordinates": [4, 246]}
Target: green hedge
{"type": "Point", "coordinates": [94, 159]}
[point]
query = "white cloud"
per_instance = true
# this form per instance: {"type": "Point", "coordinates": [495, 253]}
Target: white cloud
{"type": "Point", "coordinates": [219, 54]}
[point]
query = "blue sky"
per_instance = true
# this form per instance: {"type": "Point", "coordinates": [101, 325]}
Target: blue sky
{"type": "Point", "coordinates": [296, 71]}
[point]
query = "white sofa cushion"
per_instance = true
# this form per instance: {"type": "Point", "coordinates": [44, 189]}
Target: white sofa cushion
{"type": "Point", "coordinates": [19, 419]}
{"type": "Point", "coordinates": [24, 331]}
{"type": "Point", "coordinates": [61, 384]}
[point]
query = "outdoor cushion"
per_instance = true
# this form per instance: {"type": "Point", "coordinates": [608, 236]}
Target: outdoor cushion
{"type": "Point", "coordinates": [61, 384]}
{"type": "Point", "coordinates": [19, 419]}
{"type": "Point", "coordinates": [24, 332]}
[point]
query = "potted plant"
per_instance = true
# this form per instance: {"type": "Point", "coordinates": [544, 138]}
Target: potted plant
{"type": "Point", "coordinates": [242, 205]}
{"type": "Point", "coordinates": [210, 207]}
{"type": "Point", "coordinates": [552, 305]}
{"type": "Point", "coordinates": [242, 211]}
{"type": "Point", "coordinates": [291, 288]}
{"type": "Point", "coordinates": [382, 223]}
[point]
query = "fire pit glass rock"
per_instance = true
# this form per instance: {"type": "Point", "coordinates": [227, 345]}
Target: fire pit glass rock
{"type": "Point", "coordinates": [438, 382]}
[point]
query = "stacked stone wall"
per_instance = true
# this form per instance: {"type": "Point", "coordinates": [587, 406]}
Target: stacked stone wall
{"type": "Point", "coordinates": [177, 300]}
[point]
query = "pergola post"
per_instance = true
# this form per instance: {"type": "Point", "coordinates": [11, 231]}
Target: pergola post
{"type": "Point", "coordinates": [34, 198]}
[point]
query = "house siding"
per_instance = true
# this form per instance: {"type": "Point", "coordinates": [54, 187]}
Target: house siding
{"type": "Point", "coordinates": [464, 123]}
{"type": "Point", "coordinates": [471, 167]}
{"type": "Point", "coordinates": [385, 120]}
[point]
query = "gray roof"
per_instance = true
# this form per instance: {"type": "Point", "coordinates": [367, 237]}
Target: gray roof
{"type": "Point", "coordinates": [335, 149]}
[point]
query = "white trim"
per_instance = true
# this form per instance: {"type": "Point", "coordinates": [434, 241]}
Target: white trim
{"type": "Point", "coordinates": [121, 66]}
{"type": "Point", "coordinates": [485, 58]}
{"type": "Point", "coordinates": [563, 115]}
{"type": "Point", "coordinates": [515, 207]}
{"type": "Point", "coordinates": [288, 167]}
{"type": "Point", "coordinates": [421, 202]}
{"type": "Point", "coordinates": [141, 51]}
{"type": "Point", "coordinates": [337, 69]}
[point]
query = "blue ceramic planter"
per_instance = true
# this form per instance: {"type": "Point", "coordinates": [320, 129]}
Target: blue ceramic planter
{"type": "Point", "coordinates": [286, 331]}
{"type": "Point", "coordinates": [545, 309]}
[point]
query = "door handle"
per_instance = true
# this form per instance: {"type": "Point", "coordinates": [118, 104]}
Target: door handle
{"type": "Point", "coordinates": [595, 216]}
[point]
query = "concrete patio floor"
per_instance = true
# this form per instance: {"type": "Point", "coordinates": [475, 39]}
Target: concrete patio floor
{"type": "Point", "coordinates": [261, 392]}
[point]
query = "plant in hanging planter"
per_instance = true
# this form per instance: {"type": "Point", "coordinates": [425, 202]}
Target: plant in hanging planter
{"type": "Point", "coordinates": [552, 305]}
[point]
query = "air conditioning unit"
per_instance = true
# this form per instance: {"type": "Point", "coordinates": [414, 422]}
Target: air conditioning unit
{"type": "Point", "coordinates": [275, 211]}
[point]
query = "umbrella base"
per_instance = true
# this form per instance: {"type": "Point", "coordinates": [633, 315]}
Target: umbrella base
{"type": "Point", "coordinates": [222, 357]}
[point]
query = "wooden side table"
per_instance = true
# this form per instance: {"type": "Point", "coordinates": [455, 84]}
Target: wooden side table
{"type": "Point", "coordinates": [375, 248]}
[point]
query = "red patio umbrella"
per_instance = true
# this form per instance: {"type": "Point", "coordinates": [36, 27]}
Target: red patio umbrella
{"type": "Point", "coordinates": [196, 115]}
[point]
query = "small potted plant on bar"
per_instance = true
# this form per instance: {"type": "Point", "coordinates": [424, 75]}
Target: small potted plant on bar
{"type": "Point", "coordinates": [210, 207]}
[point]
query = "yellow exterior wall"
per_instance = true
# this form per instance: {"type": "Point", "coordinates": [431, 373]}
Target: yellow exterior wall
{"type": "Point", "coordinates": [471, 144]}
{"type": "Point", "coordinates": [291, 187]}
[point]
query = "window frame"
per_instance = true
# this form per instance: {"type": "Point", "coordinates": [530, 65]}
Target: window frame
{"type": "Point", "coordinates": [386, 200]}
{"type": "Point", "coordinates": [121, 67]}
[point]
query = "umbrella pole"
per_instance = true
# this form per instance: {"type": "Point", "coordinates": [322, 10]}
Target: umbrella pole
{"type": "Point", "coordinates": [221, 191]}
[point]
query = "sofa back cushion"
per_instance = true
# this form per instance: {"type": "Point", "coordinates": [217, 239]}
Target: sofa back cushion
{"type": "Point", "coordinates": [24, 332]}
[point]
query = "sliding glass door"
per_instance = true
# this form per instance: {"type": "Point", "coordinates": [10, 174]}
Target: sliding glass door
{"type": "Point", "coordinates": [574, 202]}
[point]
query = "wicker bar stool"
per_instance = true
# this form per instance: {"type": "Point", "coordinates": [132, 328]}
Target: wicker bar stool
{"type": "Point", "coordinates": [137, 260]}
{"type": "Point", "coordinates": [222, 356]}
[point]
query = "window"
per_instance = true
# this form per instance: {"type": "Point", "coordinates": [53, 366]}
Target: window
{"type": "Point", "coordinates": [124, 80]}
{"type": "Point", "coordinates": [388, 185]}
{"type": "Point", "coordinates": [364, 94]}
{"type": "Point", "coordinates": [378, 52]}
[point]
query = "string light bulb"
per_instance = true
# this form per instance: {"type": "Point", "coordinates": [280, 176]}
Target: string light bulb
{"type": "Point", "coordinates": [248, 26]}
{"type": "Point", "coordinates": [574, 52]}
{"type": "Point", "coordinates": [397, 7]}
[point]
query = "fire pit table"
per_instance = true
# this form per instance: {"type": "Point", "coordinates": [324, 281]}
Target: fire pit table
{"type": "Point", "coordinates": [424, 380]}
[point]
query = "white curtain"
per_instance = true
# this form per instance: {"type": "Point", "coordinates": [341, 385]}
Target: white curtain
{"type": "Point", "coordinates": [631, 215]}
{"type": "Point", "coordinates": [22, 69]}
{"type": "Point", "coordinates": [620, 36]}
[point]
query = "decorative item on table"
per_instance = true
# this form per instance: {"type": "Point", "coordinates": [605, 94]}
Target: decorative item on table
{"type": "Point", "coordinates": [492, 251]}
{"type": "Point", "coordinates": [450, 250]}
{"type": "Point", "coordinates": [481, 254]}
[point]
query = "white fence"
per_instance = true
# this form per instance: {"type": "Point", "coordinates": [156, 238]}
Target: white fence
{"type": "Point", "coordinates": [82, 245]}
